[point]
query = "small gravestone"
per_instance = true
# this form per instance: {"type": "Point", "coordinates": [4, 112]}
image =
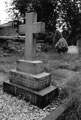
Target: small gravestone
{"type": "Point", "coordinates": [21, 29]}
{"type": "Point", "coordinates": [79, 45]}
{"type": "Point", "coordinates": [73, 49]}
{"type": "Point", "coordinates": [57, 37]}
{"type": "Point", "coordinates": [29, 80]}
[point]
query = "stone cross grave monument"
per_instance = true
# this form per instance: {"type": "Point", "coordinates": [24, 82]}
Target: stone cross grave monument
{"type": "Point", "coordinates": [29, 79]}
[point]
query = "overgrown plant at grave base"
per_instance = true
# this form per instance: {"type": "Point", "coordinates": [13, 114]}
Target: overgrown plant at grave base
{"type": "Point", "coordinates": [56, 37]}
{"type": "Point", "coordinates": [73, 91]}
{"type": "Point", "coordinates": [61, 46]}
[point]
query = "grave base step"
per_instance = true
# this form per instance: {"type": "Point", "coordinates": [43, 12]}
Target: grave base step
{"type": "Point", "coordinates": [39, 98]}
{"type": "Point", "coordinates": [35, 82]}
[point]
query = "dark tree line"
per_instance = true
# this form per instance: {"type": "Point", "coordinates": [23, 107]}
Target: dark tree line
{"type": "Point", "coordinates": [46, 10]}
{"type": "Point", "coordinates": [50, 11]}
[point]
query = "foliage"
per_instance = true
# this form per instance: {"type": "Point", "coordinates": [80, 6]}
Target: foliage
{"type": "Point", "coordinates": [46, 10]}
{"type": "Point", "coordinates": [69, 12]}
{"type": "Point", "coordinates": [64, 12]}
{"type": "Point", "coordinates": [61, 46]}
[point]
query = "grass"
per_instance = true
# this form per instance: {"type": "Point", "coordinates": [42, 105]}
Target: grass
{"type": "Point", "coordinates": [72, 90]}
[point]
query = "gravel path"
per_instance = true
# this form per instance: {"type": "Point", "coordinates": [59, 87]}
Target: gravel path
{"type": "Point", "coordinates": [12, 108]}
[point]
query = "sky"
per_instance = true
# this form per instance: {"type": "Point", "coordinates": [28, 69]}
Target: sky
{"type": "Point", "coordinates": [3, 13]}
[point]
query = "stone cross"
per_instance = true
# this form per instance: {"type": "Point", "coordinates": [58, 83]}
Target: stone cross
{"type": "Point", "coordinates": [29, 79]}
{"type": "Point", "coordinates": [32, 27]}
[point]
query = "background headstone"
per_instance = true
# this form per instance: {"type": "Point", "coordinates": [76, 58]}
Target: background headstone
{"type": "Point", "coordinates": [79, 45]}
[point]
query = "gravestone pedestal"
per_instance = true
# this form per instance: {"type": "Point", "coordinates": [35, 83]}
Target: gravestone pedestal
{"type": "Point", "coordinates": [28, 80]}
{"type": "Point", "coordinates": [31, 83]}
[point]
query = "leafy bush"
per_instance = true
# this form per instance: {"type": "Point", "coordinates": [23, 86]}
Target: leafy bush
{"type": "Point", "coordinates": [57, 36]}
{"type": "Point", "coordinates": [61, 46]}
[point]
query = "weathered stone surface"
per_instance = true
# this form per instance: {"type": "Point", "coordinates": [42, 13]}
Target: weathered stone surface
{"type": "Point", "coordinates": [40, 98]}
{"type": "Point", "coordinates": [33, 67]}
{"type": "Point", "coordinates": [36, 82]}
{"type": "Point", "coordinates": [38, 27]}
{"type": "Point", "coordinates": [31, 27]}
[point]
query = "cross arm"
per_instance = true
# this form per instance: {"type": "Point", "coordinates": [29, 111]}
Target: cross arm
{"type": "Point", "coordinates": [38, 27]}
